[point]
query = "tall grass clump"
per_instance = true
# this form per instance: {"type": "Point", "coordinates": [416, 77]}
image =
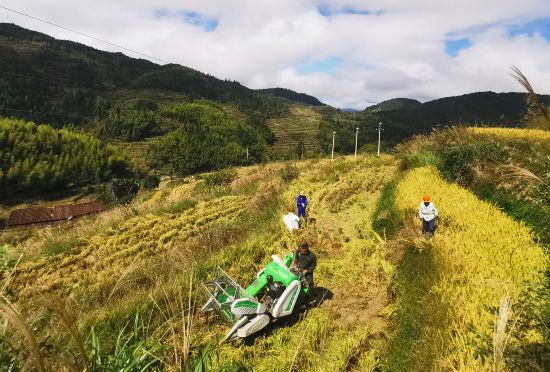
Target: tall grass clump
{"type": "Point", "coordinates": [422, 158]}
{"type": "Point", "coordinates": [457, 281]}
{"type": "Point", "coordinates": [133, 351]}
{"type": "Point", "coordinates": [289, 173]}
{"type": "Point", "coordinates": [222, 177]}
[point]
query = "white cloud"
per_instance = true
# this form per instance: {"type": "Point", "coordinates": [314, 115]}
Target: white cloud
{"type": "Point", "coordinates": [396, 51]}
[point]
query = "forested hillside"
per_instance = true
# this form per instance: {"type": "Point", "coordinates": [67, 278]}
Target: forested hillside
{"type": "Point", "coordinates": [293, 96]}
{"type": "Point", "coordinates": [483, 108]}
{"type": "Point", "coordinates": [403, 118]}
{"type": "Point", "coordinates": [119, 98]}
{"type": "Point", "coordinates": [37, 157]}
{"type": "Point", "coordinates": [60, 82]}
{"type": "Point", "coordinates": [208, 138]}
{"type": "Point", "coordinates": [394, 104]}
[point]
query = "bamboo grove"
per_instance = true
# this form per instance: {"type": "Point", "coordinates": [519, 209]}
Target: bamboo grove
{"type": "Point", "coordinates": [36, 157]}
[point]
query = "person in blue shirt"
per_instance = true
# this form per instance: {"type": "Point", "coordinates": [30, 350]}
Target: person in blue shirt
{"type": "Point", "coordinates": [301, 203]}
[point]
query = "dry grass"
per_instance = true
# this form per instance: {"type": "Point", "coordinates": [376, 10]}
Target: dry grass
{"type": "Point", "coordinates": [535, 108]}
{"type": "Point", "coordinates": [151, 260]}
{"type": "Point", "coordinates": [113, 255]}
{"type": "Point", "coordinates": [516, 173]}
{"type": "Point", "coordinates": [9, 312]}
{"type": "Point", "coordinates": [500, 336]}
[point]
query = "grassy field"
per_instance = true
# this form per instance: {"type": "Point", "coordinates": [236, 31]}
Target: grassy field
{"type": "Point", "coordinates": [123, 287]}
{"type": "Point", "coordinates": [300, 127]}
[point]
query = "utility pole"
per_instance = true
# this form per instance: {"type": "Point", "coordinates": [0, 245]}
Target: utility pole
{"type": "Point", "coordinates": [302, 150]}
{"type": "Point", "coordinates": [247, 155]}
{"type": "Point", "coordinates": [332, 156]}
{"type": "Point", "coordinates": [356, 134]}
{"type": "Point", "coordinates": [379, 131]}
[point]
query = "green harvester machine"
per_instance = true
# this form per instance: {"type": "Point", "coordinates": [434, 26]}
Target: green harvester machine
{"type": "Point", "coordinates": [274, 294]}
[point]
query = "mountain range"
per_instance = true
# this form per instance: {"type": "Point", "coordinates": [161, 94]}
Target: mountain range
{"type": "Point", "coordinates": [63, 82]}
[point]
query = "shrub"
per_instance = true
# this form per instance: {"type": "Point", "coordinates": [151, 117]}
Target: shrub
{"type": "Point", "coordinates": [60, 246]}
{"type": "Point", "coordinates": [150, 182]}
{"type": "Point", "coordinates": [124, 188]}
{"type": "Point", "coordinates": [133, 352]}
{"type": "Point", "coordinates": [490, 151]}
{"type": "Point", "coordinates": [422, 158]}
{"type": "Point", "coordinates": [457, 163]}
{"type": "Point", "coordinates": [223, 177]}
{"type": "Point", "coordinates": [289, 173]}
{"type": "Point", "coordinates": [3, 260]}
{"type": "Point", "coordinates": [180, 206]}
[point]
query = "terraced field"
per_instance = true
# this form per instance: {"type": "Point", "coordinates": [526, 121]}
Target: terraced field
{"type": "Point", "coordinates": [301, 126]}
{"type": "Point", "coordinates": [387, 298]}
{"type": "Point", "coordinates": [453, 293]}
{"type": "Point", "coordinates": [135, 243]}
{"type": "Point", "coordinates": [137, 151]}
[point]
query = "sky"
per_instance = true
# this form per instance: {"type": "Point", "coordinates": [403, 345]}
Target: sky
{"type": "Point", "coordinates": [349, 54]}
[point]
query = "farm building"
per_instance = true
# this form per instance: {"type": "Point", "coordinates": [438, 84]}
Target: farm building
{"type": "Point", "coordinates": [33, 215]}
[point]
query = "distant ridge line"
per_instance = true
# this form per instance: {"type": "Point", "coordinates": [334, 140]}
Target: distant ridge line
{"type": "Point", "coordinates": [82, 34]}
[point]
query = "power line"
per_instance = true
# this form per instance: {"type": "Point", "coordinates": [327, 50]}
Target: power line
{"type": "Point", "coordinates": [81, 33]}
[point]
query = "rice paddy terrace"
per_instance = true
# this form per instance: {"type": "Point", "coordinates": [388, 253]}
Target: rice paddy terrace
{"type": "Point", "coordinates": [300, 127]}
{"type": "Point", "coordinates": [137, 151]}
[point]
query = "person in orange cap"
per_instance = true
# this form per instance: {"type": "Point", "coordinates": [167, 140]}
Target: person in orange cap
{"type": "Point", "coordinates": [428, 213]}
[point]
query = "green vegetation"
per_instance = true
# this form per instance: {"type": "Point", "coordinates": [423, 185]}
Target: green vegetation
{"type": "Point", "coordinates": [404, 118]}
{"type": "Point", "coordinates": [219, 178]}
{"type": "Point", "coordinates": [133, 352]}
{"type": "Point", "coordinates": [209, 138]}
{"type": "Point", "coordinates": [345, 124]}
{"type": "Point", "coordinates": [394, 104]}
{"type": "Point", "coordinates": [292, 96]}
{"type": "Point", "coordinates": [289, 173]}
{"type": "Point", "coordinates": [61, 82]}
{"type": "Point", "coordinates": [37, 157]}
{"type": "Point", "coordinates": [128, 126]}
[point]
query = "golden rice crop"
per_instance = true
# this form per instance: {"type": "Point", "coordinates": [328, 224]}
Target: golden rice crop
{"type": "Point", "coordinates": [479, 255]}
{"type": "Point", "coordinates": [512, 133]}
{"type": "Point", "coordinates": [108, 254]}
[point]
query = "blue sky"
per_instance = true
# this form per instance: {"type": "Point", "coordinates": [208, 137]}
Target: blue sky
{"type": "Point", "coordinates": [539, 26]}
{"type": "Point", "coordinates": [452, 47]}
{"type": "Point", "coordinates": [328, 66]}
{"type": "Point", "coordinates": [348, 53]}
{"type": "Point", "coordinates": [205, 22]}
{"type": "Point", "coordinates": [327, 10]}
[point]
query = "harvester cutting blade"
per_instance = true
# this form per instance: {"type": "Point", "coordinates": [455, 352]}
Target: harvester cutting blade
{"type": "Point", "coordinates": [223, 292]}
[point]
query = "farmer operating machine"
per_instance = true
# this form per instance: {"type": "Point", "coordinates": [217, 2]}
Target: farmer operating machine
{"type": "Point", "coordinates": [272, 295]}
